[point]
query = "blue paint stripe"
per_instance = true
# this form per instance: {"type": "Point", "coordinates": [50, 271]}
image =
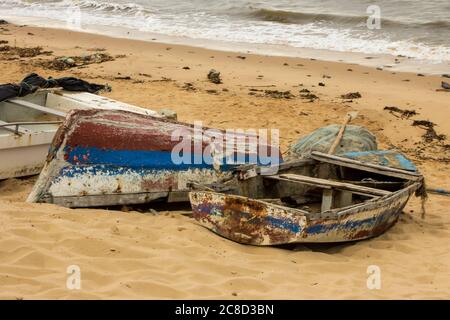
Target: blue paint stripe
{"type": "Point", "coordinates": [350, 225]}
{"type": "Point", "coordinates": [217, 210]}
{"type": "Point", "coordinates": [283, 224]}
{"type": "Point", "coordinates": [159, 160]}
{"type": "Point", "coordinates": [386, 158]}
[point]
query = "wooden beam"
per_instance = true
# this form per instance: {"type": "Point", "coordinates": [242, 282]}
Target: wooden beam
{"type": "Point", "coordinates": [327, 200]}
{"type": "Point", "coordinates": [330, 184]}
{"type": "Point", "coordinates": [370, 167]}
{"type": "Point", "coordinates": [343, 199]}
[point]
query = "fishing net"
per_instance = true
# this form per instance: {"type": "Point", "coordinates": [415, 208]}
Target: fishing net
{"type": "Point", "coordinates": [355, 138]}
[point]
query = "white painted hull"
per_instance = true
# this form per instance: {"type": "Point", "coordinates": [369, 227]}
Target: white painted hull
{"type": "Point", "coordinates": [24, 154]}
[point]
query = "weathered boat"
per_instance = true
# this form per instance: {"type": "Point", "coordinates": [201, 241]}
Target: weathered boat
{"type": "Point", "coordinates": [324, 198]}
{"type": "Point", "coordinates": [28, 125]}
{"type": "Point", "coordinates": [114, 157]}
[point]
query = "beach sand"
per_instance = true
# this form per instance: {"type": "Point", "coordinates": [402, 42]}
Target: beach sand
{"type": "Point", "coordinates": [132, 255]}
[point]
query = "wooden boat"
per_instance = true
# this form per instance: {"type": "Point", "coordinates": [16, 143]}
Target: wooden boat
{"type": "Point", "coordinates": [114, 157]}
{"type": "Point", "coordinates": [28, 125]}
{"type": "Point", "coordinates": [324, 198]}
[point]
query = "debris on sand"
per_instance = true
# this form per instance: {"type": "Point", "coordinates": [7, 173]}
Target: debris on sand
{"type": "Point", "coordinates": [4, 41]}
{"type": "Point", "coordinates": [241, 57]}
{"type": "Point", "coordinates": [23, 52]}
{"type": "Point", "coordinates": [96, 49]}
{"type": "Point", "coordinates": [445, 85]}
{"type": "Point", "coordinates": [278, 94]}
{"type": "Point", "coordinates": [3, 22]}
{"type": "Point", "coordinates": [309, 96]}
{"type": "Point", "coordinates": [168, 114]}
{"type": "Point", "coordinates": [351, 95]}
{"type": "Point", "coordinates": [63, 63]}
{"type": "Point", "coordinates": [214, 76]}
{"type": "Point", "coordinates": [404, 114]}
{"type": "Point", "coordinates": [189, 86]}
{"type": "Point", "coordinates": [186, 68]}
{"type": "Point", "coordinates": [253, 92]}
{"type": "Point", "coordinates": [212, 91]}
{"type": "Point", "coordinates": [446, 75]}
{"type": "Point", "coordinates": [321, 84]}
{"type": "Point", "coordinates": [275, 94]}
{"type": "Point", "coordinates": [430, 133]}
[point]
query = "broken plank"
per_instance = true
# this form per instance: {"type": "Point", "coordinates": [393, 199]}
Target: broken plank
{"type": "Point", "coordinates": [327, 200]}
{"type": "Point", "coordinates": [327, 184]}
{"type": "Point", "coordinates": [370, 167]}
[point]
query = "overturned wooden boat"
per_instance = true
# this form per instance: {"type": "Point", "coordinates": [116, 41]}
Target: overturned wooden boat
{"type": "Point", "coordinates": [325, 198]}
{"type": "Point", "coordinates": [28, 125]}
{"type": "Point", "coordinates": [114, 157]}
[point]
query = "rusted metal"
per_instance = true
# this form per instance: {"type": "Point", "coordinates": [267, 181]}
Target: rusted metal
{"type": "Point", "coordinates": [255, 222]}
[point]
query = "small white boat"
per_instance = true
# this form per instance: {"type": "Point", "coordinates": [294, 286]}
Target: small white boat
{"type": "Point", "coordinates": [28, 125]}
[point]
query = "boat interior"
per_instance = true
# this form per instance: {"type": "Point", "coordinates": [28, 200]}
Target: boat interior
{"type": "Point", "coordinates": [33, 113]}
{"type": "Point", "coordinates": [319, 184]}
{"type": "Point", "coordinates": [45, 109]}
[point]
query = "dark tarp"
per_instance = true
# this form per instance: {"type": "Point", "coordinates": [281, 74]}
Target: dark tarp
{"type": "Point", "coordinates": [32, 82]}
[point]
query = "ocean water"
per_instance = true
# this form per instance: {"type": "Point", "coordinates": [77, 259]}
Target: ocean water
{"type": "Point", "coordinates": [412, 28]}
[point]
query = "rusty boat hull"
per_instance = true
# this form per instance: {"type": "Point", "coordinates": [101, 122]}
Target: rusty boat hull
{"type": "Point", "coordinates": [255, 222]}
{"type": "Point", "coordinates": [249, 217]}
{"type": "Point", "coordinates": [115, 157]}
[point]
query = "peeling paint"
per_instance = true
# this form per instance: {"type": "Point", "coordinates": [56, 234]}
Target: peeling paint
{"type": "Point", "coordinates": [257, 222]}
{"type": "Point", "coordinates": [115, 152]}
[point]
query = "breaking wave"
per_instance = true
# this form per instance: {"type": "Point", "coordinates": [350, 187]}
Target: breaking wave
{"type": "Point", "coordinates": [293, 17]}
{"type": "Point", "coordinates": [243, 23]}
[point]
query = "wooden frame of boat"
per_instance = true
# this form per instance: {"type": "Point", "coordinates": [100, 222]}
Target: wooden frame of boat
{"type": "Point", "coordinates": [28, 125]}
{"type": "Point", "coordinates": [322, 199]}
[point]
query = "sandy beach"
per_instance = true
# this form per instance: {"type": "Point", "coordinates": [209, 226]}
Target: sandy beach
{"type": "Point", "coordinates": [133, 255]}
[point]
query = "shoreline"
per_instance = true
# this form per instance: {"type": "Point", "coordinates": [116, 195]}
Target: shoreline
{"type": "Point", "coordinates": [379, 87]}
{"type": "Point", "coordinates": [130, 254]}
{"type": "Point", "coordinates": [396, 63]}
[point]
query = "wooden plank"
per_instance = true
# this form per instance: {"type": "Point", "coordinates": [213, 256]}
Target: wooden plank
{"type": "Point", "coordinates": [343, 199]}
{"type": "Point", "coordinates": [104, 200]}
{"type": "Point", "coordinates": [280, 167]}
{"type": "Point", "coordinates": [370, 167]}
{"type": "Point", "coordinates": [327, 200]}
{"type": "Point", "coordinates": [34, 106]}
{"type": "Point", "coordinates": [328, 184]}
